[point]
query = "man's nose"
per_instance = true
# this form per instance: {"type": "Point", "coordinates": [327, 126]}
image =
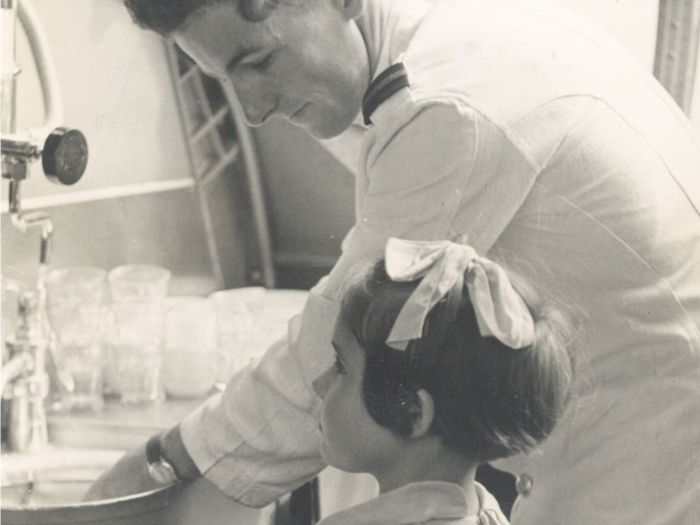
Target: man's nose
{"type": "Point", "coordinates": [322, 384]}
{"type": "Point", "coordinates": [256, 101]}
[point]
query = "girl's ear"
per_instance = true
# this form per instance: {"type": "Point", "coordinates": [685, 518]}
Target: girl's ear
{"type": "Point", "coordinates": [351, 8]}
{"type": "Point", "coordinates": [423, 414]}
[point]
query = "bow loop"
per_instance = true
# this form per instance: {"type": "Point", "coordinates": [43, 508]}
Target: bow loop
{"type": "Point", "coordinates": [500, 311]}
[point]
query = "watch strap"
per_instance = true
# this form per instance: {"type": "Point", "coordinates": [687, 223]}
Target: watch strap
{"type": "Point", "coordinates": [159, 469]}
{"type": "Point", "coordinates": [153, 454]}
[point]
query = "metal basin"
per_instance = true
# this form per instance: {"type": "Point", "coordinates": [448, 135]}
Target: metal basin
{"type": "Point", "coordinates": [53, 477]}
{"type": "Point", "coordinates": [46, 489]}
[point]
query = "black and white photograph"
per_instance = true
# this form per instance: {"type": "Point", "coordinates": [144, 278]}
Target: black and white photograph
{"type": "Point", "coordinates": [350, 262]}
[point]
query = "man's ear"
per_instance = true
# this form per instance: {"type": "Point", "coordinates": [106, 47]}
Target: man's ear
{"type": "Point", "coordinates": [423, 414]}
{"type": "Point", "coordinates": [351, 8]}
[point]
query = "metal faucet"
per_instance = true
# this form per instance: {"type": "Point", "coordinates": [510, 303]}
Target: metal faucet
{"type": "Point", "coordinates": [24, 382]}
{"type": "Point", "coordinates": [63, 153]}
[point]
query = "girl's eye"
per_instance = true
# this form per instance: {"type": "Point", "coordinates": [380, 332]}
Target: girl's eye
{"type": "Point", "coordinates": [262, 65]}
{"type": "Point", "coordinates": [339, 367]}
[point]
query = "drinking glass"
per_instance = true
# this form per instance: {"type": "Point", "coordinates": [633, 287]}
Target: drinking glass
{"type": "Point", "coordinates": [238, 314]}
{"type": "Point", "coordinates": [138, 294]}
{"type": "Point", "coordinates": [75, 309]}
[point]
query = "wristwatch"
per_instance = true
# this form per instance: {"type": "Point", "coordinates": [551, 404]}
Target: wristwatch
{"type": "Point", "coordinates": [159, 469]}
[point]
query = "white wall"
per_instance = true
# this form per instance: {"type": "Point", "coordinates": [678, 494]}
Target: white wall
{"type": "Point", "coordinates": [116, 89]}
{"type": "Point", "coordinates": [135, 203]}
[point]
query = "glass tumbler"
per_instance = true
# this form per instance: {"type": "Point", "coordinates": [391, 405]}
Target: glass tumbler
{"type": "Point", "coordinates": [138, 294]}
{"type": "Point", "coordinates": [238, 314]}
{"type": "Point", "coordinates": [75, 310]}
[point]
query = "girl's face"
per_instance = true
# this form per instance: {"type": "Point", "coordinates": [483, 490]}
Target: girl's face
{"type": "Point", "coordinates": [352, 440]}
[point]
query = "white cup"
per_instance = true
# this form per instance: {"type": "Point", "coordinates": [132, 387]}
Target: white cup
{"type": "Point", "coordinates": [238, 311]}
{"type": "Point", "coordinates": [192, 360]}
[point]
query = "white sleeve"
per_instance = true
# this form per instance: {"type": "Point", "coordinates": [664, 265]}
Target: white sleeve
{"type": "Point", "coordinates": [259, 439]}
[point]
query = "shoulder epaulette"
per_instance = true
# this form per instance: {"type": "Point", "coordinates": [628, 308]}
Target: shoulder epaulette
{"type": "Point", "coordinates": [388, 82]}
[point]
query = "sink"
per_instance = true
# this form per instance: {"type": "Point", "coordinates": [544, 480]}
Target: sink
{"type": "Point", "coordinates": [52, 477]}
{"type": "Point", "coordinates": [46, 488]}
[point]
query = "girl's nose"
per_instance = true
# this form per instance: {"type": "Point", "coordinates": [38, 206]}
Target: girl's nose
{"type": "Point", "coordinates": [322, 384]}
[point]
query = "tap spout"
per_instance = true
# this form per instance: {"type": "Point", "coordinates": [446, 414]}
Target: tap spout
{"type": "Point", "coordinates": [24, 221]}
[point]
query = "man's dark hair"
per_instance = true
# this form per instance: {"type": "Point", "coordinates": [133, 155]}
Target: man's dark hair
{"type": "Point", "coordinates": [167, 16]}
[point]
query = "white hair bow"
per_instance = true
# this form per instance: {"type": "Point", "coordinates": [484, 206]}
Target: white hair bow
{"type": "Point", "coordinates": [500, 311]}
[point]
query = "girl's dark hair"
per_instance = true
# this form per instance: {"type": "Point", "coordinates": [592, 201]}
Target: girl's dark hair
{"type": "Point", "coordinates": [167, 16]}
{"type": "Point", "coordinates": [490, 401]}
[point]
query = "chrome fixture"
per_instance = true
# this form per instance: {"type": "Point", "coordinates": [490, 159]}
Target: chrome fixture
{"type": "Point", "coordinates": [24, 382]}
{"type": "Point", "coordinates": [63, 153]}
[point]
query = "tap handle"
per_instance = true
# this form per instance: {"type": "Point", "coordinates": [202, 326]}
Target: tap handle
{"type": "Point", "coordinates": [65, 155]}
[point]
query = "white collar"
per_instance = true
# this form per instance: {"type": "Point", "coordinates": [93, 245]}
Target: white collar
{"type": "Point", "coordinates": [420, 502]}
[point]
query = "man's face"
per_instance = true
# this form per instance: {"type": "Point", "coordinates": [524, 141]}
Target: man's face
{"type": "Point", "coordinates": [307, 63]}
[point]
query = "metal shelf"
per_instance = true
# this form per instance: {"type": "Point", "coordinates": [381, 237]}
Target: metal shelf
{"type": "Point", "coordinates": [216, 139]}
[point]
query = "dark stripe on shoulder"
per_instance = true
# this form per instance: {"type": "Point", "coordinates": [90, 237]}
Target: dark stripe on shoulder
{"type": "Point", "coordinates": [389, 81]}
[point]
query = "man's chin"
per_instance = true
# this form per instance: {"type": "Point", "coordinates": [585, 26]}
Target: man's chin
{"type": "Point", "coordinates": [322, 131]}
{"type": "Point", "coordinates": [325, 455]}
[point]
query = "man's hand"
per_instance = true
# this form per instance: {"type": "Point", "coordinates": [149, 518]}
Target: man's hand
{"type": "Point", "coordinates": [128, 476]}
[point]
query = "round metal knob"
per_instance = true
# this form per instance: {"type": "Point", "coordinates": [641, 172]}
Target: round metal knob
{"type": "Point", "coordinates": [65, 156]}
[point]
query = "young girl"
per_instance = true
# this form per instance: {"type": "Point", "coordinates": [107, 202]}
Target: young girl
{"type": "Point", "coordinates": [440, 367]}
